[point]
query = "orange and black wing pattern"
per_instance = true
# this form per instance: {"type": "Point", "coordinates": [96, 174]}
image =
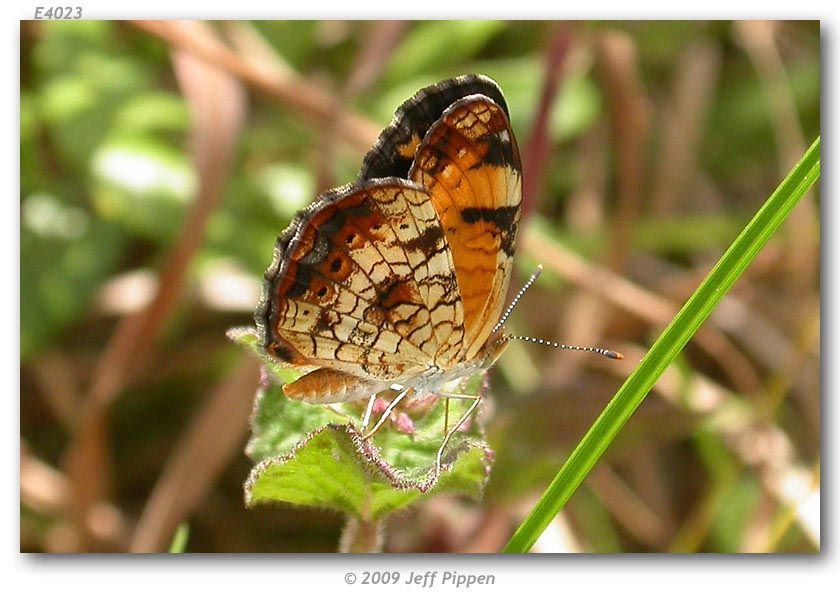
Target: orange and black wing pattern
{"type": "Point", "coordinates": [469, 163]}
{"type": "Point", "coordinates": [363, 282]}
{"type": "Point", "coordinates": [407, 269]}
{"type": "Point", "coordinates": [393, 153]}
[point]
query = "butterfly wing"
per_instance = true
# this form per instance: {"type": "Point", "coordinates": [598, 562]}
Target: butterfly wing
{"type": "Point", "coordinates": [409, 267]}
{"type": "Point", "coordinates": [362, 282]}
{"type": "Point", "coordinates": [393, 153]}
{"type": "Point", "coordinates": [469, 163]}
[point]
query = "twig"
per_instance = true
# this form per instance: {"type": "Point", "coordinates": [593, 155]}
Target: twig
{"type": "Point", "coordinates": [295, 92]}
{"type": "Point", "coordinates": [646, 471]}
{"type": "Point", "coordinates": [584, 211]}
{"type": "Point", "coordinates": [586, 313]}
{"type": "Point", "coordinates": [629, 116]}
{"type": "Point", "coordinates": [536, 152]}
{"type": "Point", "coordinates": [695, 79]}
{"type": "Point", "coordinates": [379, 43]}
{"type": "Point", "coordinates": [47, 491]}
{"type": "Point", "coordinates": [56, 378]}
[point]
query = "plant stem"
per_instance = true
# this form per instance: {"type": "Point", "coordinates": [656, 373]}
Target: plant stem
{"type": "Point", "coordinates": [361, 536]}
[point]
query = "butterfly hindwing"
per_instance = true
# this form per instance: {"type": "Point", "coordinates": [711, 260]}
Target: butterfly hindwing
{"type": "Point", "coordinates": [363, 282]}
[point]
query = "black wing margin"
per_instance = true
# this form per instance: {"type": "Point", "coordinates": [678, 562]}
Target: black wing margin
{"type": "Point", "coordinates": [393, 152]}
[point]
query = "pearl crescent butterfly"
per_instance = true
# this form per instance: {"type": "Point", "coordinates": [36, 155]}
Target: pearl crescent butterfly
{"type": "Point", "coordinates": [397, 281]}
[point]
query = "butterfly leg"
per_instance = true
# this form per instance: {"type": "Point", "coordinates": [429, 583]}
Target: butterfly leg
{"type": "Point", "coordinates": [368, 411]}
{"type": "Point", "coordinates": [445, 416]}
{"type": "Point", "coordinates": [463, 396]}
{"type": "Point", "coordinates": [446, 408]}
{"type": "Point", "coordinates": [451, 432]}
{"type": "Point", "coordinates": [387, 413]}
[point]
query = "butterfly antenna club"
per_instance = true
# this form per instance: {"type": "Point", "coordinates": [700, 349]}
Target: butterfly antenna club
{"type": "Point", "coordinates": [602, 351]}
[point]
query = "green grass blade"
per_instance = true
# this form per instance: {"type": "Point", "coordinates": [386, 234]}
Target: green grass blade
{"type": "Point", "coordinates": [695, 311]}
{"type": "Point", "coordinates": [179, 540]}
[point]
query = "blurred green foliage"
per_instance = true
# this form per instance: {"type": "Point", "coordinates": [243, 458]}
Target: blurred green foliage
{"type": "Point", "coordinates": [106, 178]}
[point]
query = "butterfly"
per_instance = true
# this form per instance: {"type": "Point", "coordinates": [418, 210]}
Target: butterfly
{"type": "Point", "coordinates": [398, 280]}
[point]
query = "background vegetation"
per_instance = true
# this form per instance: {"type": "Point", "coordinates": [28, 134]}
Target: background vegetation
{"type": "Point", "coordinates": [160, 160]}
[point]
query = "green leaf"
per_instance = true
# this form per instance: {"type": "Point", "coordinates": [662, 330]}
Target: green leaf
{"type": "Point", "coordinates": [152, 111]}
{"type": "Point", "coordinates": [730, 526]}
{"type": "Point", "coordinates": [278, 424]}
{"type": "Point", "coordinates": [334, 468]}
{"type": "Point", "coordinates": [436, 44]}
{"type": "Point", "coordinates": [315, 456]}
{"type": "Point", "coordinates": [179, 540]}
{"type": "Point", "coordinates": [289, 187]}
{"type": "Point", "coordinates": [247, 337]}
{"type": "Point", "coordinates": [142, 183]}
{"type": "Point", "coordinates": [67, 254]}
{"type": "Point", "coordinates": [695, 311]}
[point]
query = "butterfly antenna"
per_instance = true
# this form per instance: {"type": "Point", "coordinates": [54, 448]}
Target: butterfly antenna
{"type": "Point", "coordinates": [516, 299]}
{"type": "Point", "coordinates": [603, 352]}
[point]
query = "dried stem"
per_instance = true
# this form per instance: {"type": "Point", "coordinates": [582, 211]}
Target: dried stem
{"type": "Point", "coordinates": [297, 93]}
{"type": "Point", "coordinates": [695, 79]}
{"type": "Point", "coordinates": [629, 121]}
{"type": "Point", "coordinates": [802, 248]}
{"type": "Point", "coordinates": [379, 43]}
{"type": "Point", "coordinates": [47, 491]}
{"type": "Point", "coordinates": [761, 446]}
{"type": "Point", "coordinates": [586, 314]}
{"type": "Point", "coordinates": [535, 155]}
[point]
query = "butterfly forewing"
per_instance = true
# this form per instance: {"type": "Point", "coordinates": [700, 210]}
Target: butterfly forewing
{"type": "Point", "coordinates": [469, 163]}
{"type": "Point", "coordinates": [393, 152]}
